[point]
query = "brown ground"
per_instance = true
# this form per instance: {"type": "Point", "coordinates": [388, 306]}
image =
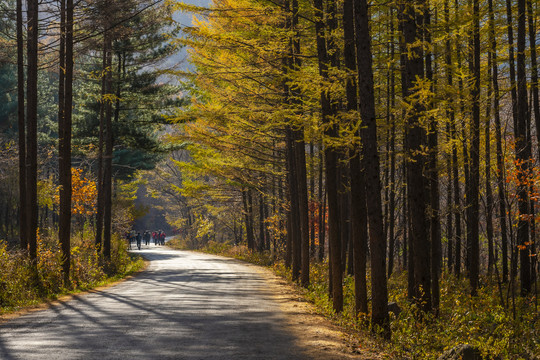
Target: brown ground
{"type": "Point", "coordinates": [321, 339]}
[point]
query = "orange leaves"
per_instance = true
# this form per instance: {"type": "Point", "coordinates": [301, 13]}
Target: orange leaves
{"type": "Point", "coordinates": [83, 194]}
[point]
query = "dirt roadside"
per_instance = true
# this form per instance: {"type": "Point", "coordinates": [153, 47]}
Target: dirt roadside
{"type": "Point", "coordinates": [321, 339]}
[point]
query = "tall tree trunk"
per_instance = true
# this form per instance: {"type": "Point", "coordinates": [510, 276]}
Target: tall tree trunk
{"type": "Point", "coordinates": [344, 211]}
{"type": "Point", "coordinates": [108, 155]}
{"type": "Point", "coordinates": [295, 235]}
{"type": "Point", "coordinates": [473, 202]}
{"type": "Point", "coordinates": [411, 23]}
{"type": "Point", "coordinates": [523, 154]}
{"type": "Point", "coordinates": [392, 190]}
{"type": "Point", "coordinates": [262, 240]}
{"type": "Point", "coordinates": [23, 226]}
{"type": "Point", "coordinates": [311, 208]}
{"type": "Point", "coordinates": [248, 216]}
{"type": "Point", "coordinates": [466, 156]}
{"type": "Point", "coordinates": [331, 158]}
{"type": "Point", "coordinates": [498, 141]}
{"type": "Point", "coordinates": [64, 130]}
{"type": "Point", "coordinates": [534, 69]}
{"type": "Point", "coordinates": [535, 106]}
{"type": "Point", "coordinates": [101, 141]}
{"type": "Point", "coordinates": [511, 63]}
{"type": "Point", "coordinates": [451, 124]}
{"type": "Point", "coordinates": [358, 187]}
{"type": "Point", "coordinates": [322, 207]}
{"type": "Point", "coordinates": [31, 126]}
{"type": "Point", "coordinates": [489, 193]}
{"type": "Point", "coordinates": [370, 160]}
{"type": "Point", "coordinates": [300, 154]}
{"type": "Point", "coordinates": [434, 213]}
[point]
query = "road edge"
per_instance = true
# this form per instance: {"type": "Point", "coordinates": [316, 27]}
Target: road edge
{"type": "Point", "coordinates": [69, 297]}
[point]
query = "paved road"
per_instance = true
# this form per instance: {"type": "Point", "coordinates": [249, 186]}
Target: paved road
{"type": "Point", "coordinates": [184, 306]}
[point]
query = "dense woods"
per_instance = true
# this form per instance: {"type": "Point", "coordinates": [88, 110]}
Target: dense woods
{"type": "Point", "coordinates": [407, 127]}
{"type": "Point", "coordinates": [383, 151]}
{"type": "Point", "coordinates": [81, 112]}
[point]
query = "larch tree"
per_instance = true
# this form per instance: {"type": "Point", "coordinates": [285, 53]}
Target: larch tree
{"type": "Point", "coordinates": [370, 161]}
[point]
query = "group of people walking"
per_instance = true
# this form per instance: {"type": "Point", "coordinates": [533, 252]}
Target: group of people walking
{"type": "Point", "coordinates": [157, 236]}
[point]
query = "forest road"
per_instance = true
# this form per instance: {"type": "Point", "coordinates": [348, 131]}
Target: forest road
{"type": "Point", "coordinates": [185, 305]}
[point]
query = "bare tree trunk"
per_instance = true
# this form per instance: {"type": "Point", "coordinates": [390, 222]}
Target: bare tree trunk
{"type": "Point", "coordinates": [370, 160]}
{"type": "Point", "coordinates": [107, 161]}
{"type": "Point", "coordinates": [473, 203]}
{"type": "Point", "coordinates": [261, 244]}
{"type": "Point", "coordinates": [312, 198]}
{"type": "Point", "coordinates": [300, 154]}
{"type": "Point", "coordinates": [331, 158]}
{"type": "Point", "coordinates": [523, 154]}
{"type": "Point", "coordinates": [392, 190]}
{"type": "Point", "coordinates": [31, 126]}
{"type": "Point", "coordinates": [358, 186]}
{"type": "Point", "coordinates": [498, 140]}
{"type": "Point", "coordinates": [535, 105]}
{"type": "Point", "coordinates": [451, 120]}
{"type": "Point", "coordinates": [64, 130]}
{"type": "Point", "coordinates": [23, 225]}
{"type": "Point", "coordinates": [322, 207]}
{"type": "Point", "coordinates": [411, 23]}
{"type": "Point", "coordinates": [435, 218]}
{"type": "Point", "coordinates": [511, 57]}
{"type": "Point", "coordinates": [101, 196]}
{"type": "Point", "coordinates": [489, 193]}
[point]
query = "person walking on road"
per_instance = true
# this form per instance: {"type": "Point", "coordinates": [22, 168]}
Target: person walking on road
{"type": "Point", "coordinates": [162, 237]}
{"type": "Point", "coordinates": [146, 237]}
{"type": "Point", "coordinates": [139, 238]}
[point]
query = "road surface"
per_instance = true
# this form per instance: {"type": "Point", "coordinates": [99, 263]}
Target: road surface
{"type": "Point", "coordinates": [186, 305]}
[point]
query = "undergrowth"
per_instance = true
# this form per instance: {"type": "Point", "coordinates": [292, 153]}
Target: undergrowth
{"type": "Point", "coordinates": [481, 321]}
{"type": "Point", "coordinates": [23, 283]}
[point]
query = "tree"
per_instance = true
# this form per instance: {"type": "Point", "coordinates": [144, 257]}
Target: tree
{"type": "Point", "coordinates": [358, 186]}
{"type": "Point", "coordinates": [411, 25]}
{"type": "Point", "coordinates": [330, 156]}
{"type": "Point", "coordinates": [31, 206]}
{"type": "Point", "coordinates": [23, 235]}
{"type": "Point", "coordinates": [370, 161]}
{"type": "Point", "coordinates": [523, 154]}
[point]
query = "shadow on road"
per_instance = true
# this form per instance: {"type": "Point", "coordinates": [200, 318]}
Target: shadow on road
{"type": "Point", "coordinates": [184, 307]}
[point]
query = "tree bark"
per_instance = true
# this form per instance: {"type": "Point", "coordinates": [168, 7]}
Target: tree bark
{"type": "Point", "coordinates": [434, 213]}
{"type": "Point", "coordinates": [511, 62]}
{"type": "Point", "coordinates": [450, 161]}
{"type": "Point", "coordinates": [64, 130]}
{"type": "Point", "coordinates": [330, 155]}
{"type": "Point", "coordinates": [108, 155]}
{"type": "Point", "coordinates": [411, 22]}
{"type": "Point", "coordinates": [370, 160]}
{"type": "Point", "coordinates": [498, 141]}
{"type": "Point", "coordinates": [487, 172]}
{"type": "Point", "coordinates": [31, 126]}
{"type": "Point", "coordinates": [23, 225]}
{"type": "Point", "coordinates": [473, 202]}
{"type": "Point", "coordinates": [358, 186]}
{"type": "Point", "coordinates": [523, 154]}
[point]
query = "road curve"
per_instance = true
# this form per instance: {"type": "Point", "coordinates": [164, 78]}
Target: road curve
{"type": "Point", "coordinates": [186, 305]}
